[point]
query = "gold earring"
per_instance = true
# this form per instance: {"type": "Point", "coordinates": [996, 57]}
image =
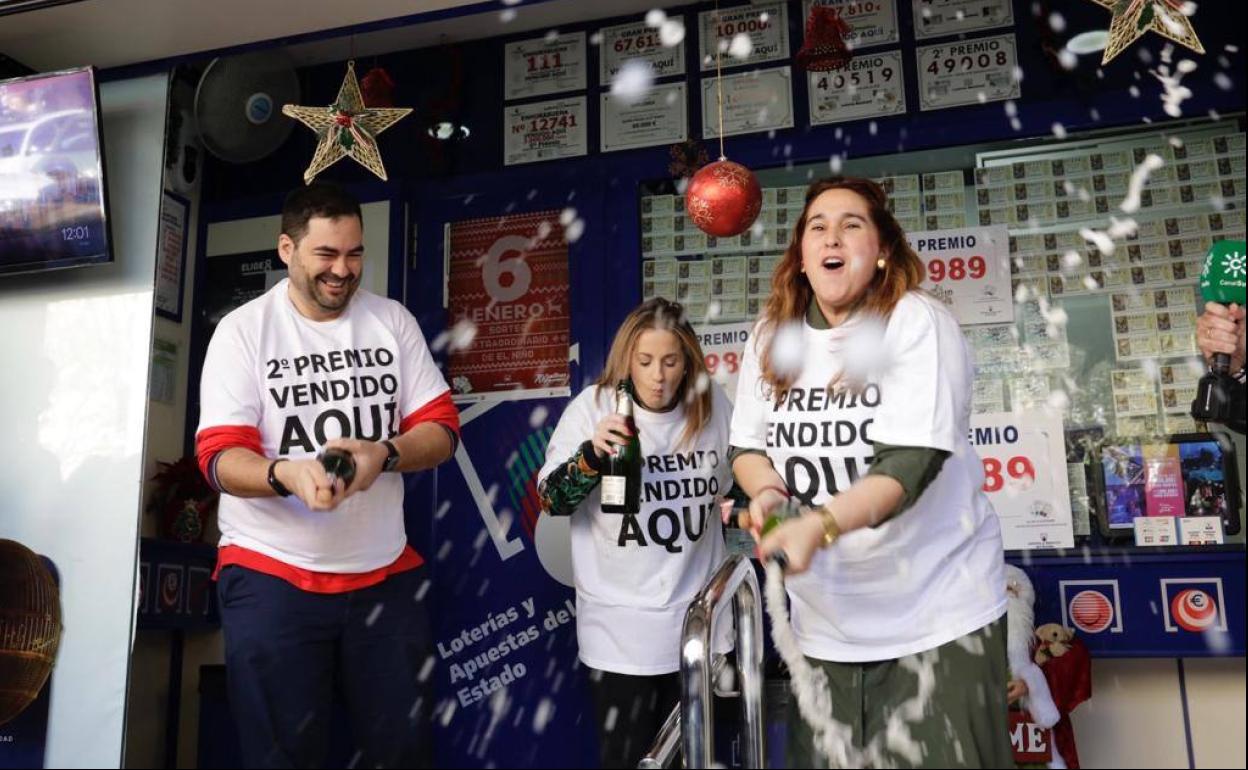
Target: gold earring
{"type": "Point", "coordinates": [880, 263]}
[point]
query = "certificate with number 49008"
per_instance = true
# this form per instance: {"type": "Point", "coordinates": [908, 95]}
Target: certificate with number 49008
{"type": "Point", "coordinates": [971, 71]}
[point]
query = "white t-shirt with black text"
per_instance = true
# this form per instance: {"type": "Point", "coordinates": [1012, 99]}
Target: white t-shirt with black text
{"type": "Point", "coordinates": [302, 383]}
{"type": "Point", "coordinates": [931, 573]}
{"type": "Point", "coordinates": [636, 574]}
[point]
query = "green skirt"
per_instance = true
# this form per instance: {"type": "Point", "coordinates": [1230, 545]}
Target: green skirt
{"type": "Point", "coordinates": [963, 724]}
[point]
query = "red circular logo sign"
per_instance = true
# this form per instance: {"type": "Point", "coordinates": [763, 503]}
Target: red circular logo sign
{"type": "Point", "coordinates": [1194, 610]}
{"type": "Point", "coordinates": [1091, 612]}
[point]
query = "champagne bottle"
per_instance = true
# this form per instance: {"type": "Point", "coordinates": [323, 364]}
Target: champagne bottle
{"type": "Point", "coordinates": [339, 465]}
{"type": "Point", "coordinates": [621, 478]}
{"type": "Point", "coordinates": [738, 516]}
{"type": "Point", "coordinates": [781, 513]}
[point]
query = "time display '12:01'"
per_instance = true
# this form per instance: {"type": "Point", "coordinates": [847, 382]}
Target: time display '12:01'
{"type": "Point", "coordinates": [75, 233]}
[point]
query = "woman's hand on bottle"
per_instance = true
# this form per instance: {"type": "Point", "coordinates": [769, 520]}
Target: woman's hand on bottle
{"type": "Point", "coordinates": [799, 538]}
{"type": "Point", "coordinates": [611, 431]}
{"type": "Point", "coordinates": [761, 505]}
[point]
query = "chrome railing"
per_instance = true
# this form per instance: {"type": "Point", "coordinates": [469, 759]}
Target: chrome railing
{"type": "Point", "coordinates": [667, 743]}
{"type": "Point", "coordinates": [691, 724]}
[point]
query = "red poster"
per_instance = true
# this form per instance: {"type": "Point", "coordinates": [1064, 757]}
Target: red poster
{"type": "Point", "coordinates": [1163, 482]}
{"type": "Point", "coordinates": [507, 290]}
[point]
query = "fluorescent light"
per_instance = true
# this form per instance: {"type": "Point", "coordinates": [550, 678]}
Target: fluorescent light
{"type": "Point", "coordinates": [446, 130]}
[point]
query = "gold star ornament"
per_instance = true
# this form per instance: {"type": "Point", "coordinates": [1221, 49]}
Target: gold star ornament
{"type": "Point", "coordinates": [1132, 18]}
{"type": "Point", "coordinates": [346, 128]}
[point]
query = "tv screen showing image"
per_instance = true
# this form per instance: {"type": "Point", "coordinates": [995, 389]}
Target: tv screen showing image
{"type": "Point", "coordinates": [53, 211]}
{"type": "Point", "coordinates": [1190, 475]}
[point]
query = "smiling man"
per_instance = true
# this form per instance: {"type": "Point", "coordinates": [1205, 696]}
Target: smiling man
{"type": "Point", "coordinates": [317, 583]}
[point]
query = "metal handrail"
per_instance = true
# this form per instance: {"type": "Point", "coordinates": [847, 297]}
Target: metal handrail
{"type": "Point", "coordinates": [735, 578]}
{"type": "Point", "coordinates": [667, 742]}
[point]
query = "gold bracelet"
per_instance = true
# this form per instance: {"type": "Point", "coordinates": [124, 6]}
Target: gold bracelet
{"type": "Point", "coordinates": [831, 530]}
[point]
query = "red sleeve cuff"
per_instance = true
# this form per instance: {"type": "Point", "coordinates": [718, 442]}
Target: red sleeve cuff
{"type": "Point", "coordinates": [211, 442]}
{"type": "Point", "coordinates": [441, 410]}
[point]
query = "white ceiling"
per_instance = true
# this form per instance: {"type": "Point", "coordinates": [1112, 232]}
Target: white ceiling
{"type": "Point", "coordinates": [114, 33]}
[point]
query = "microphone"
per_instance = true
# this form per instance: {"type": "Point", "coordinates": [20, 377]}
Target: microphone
{"type": "Point", "coordinates": [1223, 281]}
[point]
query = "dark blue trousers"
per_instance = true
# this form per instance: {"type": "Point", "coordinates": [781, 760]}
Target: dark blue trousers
{"type": "Point", "coordinates": [289, 653]}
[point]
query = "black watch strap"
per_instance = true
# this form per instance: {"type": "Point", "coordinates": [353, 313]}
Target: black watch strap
{"type": "Point", "coordinates": [392, 458]}
{"type": "Point", "coordinates": [278, 486]}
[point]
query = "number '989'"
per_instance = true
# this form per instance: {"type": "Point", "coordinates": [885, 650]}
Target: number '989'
{"type": "Point", "coordinates": [956, 269]}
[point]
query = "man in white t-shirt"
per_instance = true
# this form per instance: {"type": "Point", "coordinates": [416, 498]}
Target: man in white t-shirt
{"type": "Point", "coordinates": [317, 583]}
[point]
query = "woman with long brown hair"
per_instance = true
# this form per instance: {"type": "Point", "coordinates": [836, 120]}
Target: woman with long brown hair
{"type": "Point", "coordinates": [637, 572]}
{"type": "Point", "coordinates": [854, 401]}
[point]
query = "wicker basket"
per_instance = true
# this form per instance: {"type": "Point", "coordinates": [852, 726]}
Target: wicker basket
{"type": "Point", "coordinates": [30, 627]}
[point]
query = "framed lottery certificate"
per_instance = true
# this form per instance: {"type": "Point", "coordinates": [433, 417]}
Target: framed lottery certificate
{"type": "Point", "coordinates": [544, 66]}
{"type": "Point", "coordinates": [544, 131]}
{"type": "Point", "coordinates": [967, 72]}
{"type": "Point", "coordinates": [659, 117]}
{"type": "Point", "coordinates": [870, 86]}
{"type": "Point", "coordinates": [753, 101]}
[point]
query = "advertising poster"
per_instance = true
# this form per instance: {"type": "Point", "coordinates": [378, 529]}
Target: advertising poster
{"type": "Point", "coordinates": [507, 292]}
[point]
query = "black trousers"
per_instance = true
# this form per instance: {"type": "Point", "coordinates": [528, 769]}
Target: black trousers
{"type": "Point", "coordinates": [287, 651]}
{"type": "Point", "coordinates": [629, 711]}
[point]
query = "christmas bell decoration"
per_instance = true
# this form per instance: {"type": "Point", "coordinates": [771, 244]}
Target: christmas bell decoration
{"type": "Point", "coordinates": [30, 627]}
{"type": "Point", "coordinates": [824, 47]}
{"type": "Point", "coordinates": [377, 88]}
{"type": "Point", "coordinates": [723, 199]}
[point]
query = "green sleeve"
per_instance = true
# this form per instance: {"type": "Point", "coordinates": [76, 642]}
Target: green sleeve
{"type": "Point", "coordinates": [914, 468]}
{"type": "Point", "coordinates": [570, 483]}
{"type": "Point", "coordinates": [735, 451]}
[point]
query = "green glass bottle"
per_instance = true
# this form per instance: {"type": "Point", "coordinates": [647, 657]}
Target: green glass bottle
{"type": "Point", "coordinates": [621, 479]}
{"type": "Point", "coordinates": [781, 513]}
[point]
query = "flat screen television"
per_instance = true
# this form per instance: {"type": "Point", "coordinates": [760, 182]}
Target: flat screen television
{"type": "Point", "coordinates": [53, 208]}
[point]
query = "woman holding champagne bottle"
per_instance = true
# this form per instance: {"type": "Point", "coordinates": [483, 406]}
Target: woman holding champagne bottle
{"type": "Point", "coordinates": [637, 461]}
{"type": "Point", "coordinates": [854, 401]}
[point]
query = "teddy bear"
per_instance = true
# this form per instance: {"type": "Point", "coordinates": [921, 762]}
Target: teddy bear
{"type": "Point", "coordinates": [1054, 641]}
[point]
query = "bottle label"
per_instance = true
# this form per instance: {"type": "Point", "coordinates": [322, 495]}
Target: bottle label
{"type": "Point", "coordinates": [613, 489]}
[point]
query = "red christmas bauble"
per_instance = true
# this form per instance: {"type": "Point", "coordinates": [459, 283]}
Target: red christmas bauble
{"type": "Point", "coordinates": [723, 199]}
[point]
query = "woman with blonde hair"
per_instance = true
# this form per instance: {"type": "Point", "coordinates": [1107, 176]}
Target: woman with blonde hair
{"type": "Point", "coordinates": [854, 400]}
{"type": "Point", "coordinates": [637, 572]}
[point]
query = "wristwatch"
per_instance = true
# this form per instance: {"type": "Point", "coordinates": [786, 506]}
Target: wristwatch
{"type": "Point", "coordinates": [278, 487]}
{"type": "Point", "coordinates": [392, 459]}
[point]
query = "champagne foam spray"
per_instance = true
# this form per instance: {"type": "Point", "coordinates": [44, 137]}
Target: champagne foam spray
{"type": "Point", "coordinates": [814, 700]}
